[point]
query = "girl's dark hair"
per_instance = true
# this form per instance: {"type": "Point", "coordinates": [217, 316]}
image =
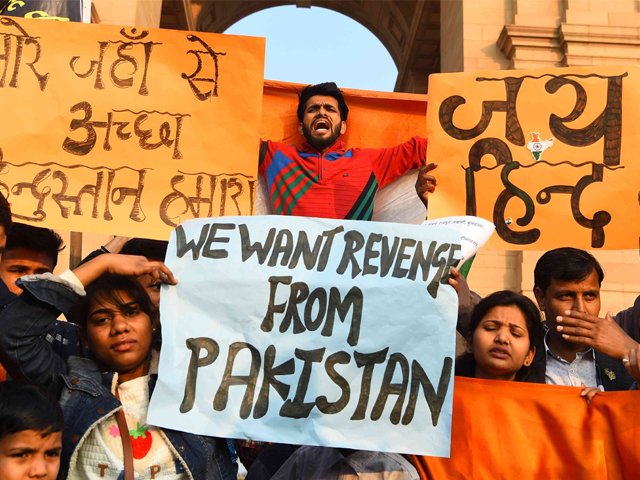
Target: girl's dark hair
{"type": "Point", "coordinates": [466, 363]}
{"type": "Point", "coordinates": [107, 289]}
{"type": "Point", "coordinates": [152, 249]}
{"type": "Point", "coordinates": [28, 407]}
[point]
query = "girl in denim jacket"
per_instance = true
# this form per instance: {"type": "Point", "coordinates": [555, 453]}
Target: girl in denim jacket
{"type": "Point", "coordinates": [105, 394]}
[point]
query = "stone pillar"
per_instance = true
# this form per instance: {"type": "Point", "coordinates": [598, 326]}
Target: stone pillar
{"type": "Point", "coordinates": [482, 22]}
{"type": "Point", "coordinates": [132, 13]}
{"type": "Point", "coordinates": [451, 36]}
{"type": "Point", "coordinates": [532, 39]}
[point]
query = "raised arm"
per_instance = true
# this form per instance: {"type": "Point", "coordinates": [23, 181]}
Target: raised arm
{"type": "Point", "coordinates": [426, 183]}
{"type": "Point", "coordinates": [25, 322]}
{"type": "Point", "coordinates": [123, 265]}
{"type": "Point", "coordinates": [391, 163]}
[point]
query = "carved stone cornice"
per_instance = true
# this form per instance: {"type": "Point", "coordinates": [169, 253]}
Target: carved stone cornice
{"type": "Point", "coordinates": [597, 44]}
{"type": "Point", "coordinates": [600, 34]}
{"type": "Point", "coordinates": [528, 46]}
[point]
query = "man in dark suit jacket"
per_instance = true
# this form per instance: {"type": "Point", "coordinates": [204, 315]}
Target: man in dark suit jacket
{"type": "Point", "coordinates": [567, 283]}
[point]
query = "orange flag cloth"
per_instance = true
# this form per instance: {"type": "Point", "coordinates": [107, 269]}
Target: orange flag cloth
{"type": "Point", "coordinates": [376, 119]}
{"type": "Point", "coordinates": [509, 430]}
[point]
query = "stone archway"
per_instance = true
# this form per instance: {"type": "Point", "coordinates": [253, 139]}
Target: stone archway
{"type": "Point", "coordinates": [410, 30]}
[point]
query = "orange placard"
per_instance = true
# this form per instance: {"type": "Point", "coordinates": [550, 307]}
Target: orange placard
{"type": "Point", "coordinates": [126, 131]}
{"type": "Point", "coordinates": [549, 156]}
{"type": "Point", "coordinates": [531, 431]}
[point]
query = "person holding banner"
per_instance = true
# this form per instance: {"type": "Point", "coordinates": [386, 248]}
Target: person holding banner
{"type": "Point", "coordinates": [613, 336]}
{"type": "Point", "coordinates": [632, 363]}
{"type": "Point", "coordinates": [324, 178]}
{"type": "Point", "coordinates": [568, 280]}
{"type": "Point", "coordinates": [151, 249]}
{"type": "Point", "coordinates": [504, 330]}
{"type": "Point", "coordinates": [107, 392]}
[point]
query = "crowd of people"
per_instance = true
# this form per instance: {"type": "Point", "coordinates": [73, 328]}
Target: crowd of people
{"type": "Point", "coordinates": [75, 399]}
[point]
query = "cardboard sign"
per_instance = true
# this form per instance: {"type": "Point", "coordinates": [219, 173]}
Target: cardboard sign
{"type": "Point", "coordinates": [550, 157]}
{"type": "Point", "coordinates": [128, 131]}
{"type": "Point", "coordinates": [296, 330]}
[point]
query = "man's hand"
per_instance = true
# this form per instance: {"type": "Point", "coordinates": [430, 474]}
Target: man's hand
{"type": "Point", "coordinates": [467, 300]}
{"type": "Point", "coordinates": [426, 183]}
{"type": "Point", "coordinates": [631, 361]}
{"type": "Point", "coordinates": [589, 392]}
{"type": "Point", "coordinates": [603, 334]}
{"type": "Point", "coordinates": [459, 283]}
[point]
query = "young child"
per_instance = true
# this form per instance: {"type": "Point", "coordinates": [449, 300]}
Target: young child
{"type": "Point", "coordinates": [105, 395]}
{"type": "Point", "coordinates": [30, 433]}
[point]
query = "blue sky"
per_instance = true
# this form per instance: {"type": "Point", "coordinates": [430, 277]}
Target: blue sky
{"type": "Point", "coordinates": [313, 45]}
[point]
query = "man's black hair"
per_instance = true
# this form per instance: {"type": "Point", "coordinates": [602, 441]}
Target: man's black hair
{"type": "Point", "coordinates": [35, 238]}
{"type": "Point", "coordinates": [327, 89]}
{"type": "Point", "coordinates": [566, 264]}
{"type": "Point", "coordinates": [152, 249]}
{"type": "Point", "coordinates": [28, 407]}
{"type": "Point", "coordinates": [5, 214]}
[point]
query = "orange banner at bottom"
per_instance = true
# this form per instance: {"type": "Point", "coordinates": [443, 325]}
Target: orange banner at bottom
{"type": "Point", "coordinates": [505, 430]}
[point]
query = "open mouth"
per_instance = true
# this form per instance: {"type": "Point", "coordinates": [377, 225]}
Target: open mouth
{"type": "Point", "coordinates": [321, 126]}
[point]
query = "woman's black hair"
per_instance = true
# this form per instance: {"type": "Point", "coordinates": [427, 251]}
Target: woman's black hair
{"type": "Point", "coordinates": [466, 363]}
{"type": "Point", "coordinates": [28, 407]}
{"type": "Point", "coordinates": [107, 289]}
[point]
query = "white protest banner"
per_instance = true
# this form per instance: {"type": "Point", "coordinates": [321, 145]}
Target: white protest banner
{"type": "Point", "coordinates": [310, 331]}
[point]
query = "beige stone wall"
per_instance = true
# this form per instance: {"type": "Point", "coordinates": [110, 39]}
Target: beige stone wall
{"type": "Point", "coordinates": [451, 37]}
{"type": "Point", "coordinates": [482, 22]}
{"type": "Point", "coordinates": [139, 13]}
